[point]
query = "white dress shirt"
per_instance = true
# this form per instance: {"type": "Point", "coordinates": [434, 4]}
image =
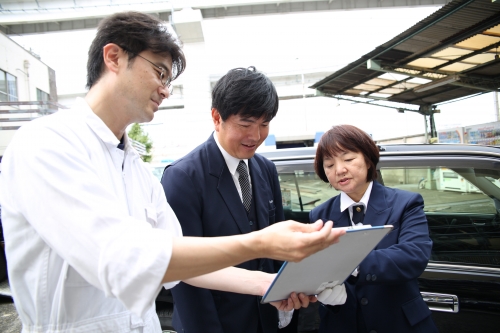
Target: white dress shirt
{"type": "Point", "coordinates": [88, 229]}
{"type": "Point", "coordinates": [346, 202]}
{"type": "Point", "coordinates": [232, 164]}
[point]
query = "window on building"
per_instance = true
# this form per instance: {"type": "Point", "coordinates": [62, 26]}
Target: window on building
{"type": "Point", "coordinates": [8, 87]}
{"type": "Point", "coordinates": [3, 87]}
{"type": "Point", "coordinates": [41, 95]}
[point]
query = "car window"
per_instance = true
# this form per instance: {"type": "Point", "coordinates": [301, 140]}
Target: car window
{"type": "Point", "coordinates": [462, 208]}
{"type": "Point", "coordinates": [443, 189]}
{"type": "Point", "coordinates": [303, 190]}
{"type": "Point", "coordinates": [494, 181]}
{"type": "Point", "coordinates": [462, 204]}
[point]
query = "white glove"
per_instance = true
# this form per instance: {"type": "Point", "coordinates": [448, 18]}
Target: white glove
{"type": "Point", "coordinates": [333, 296]}
{"type": "Point", "coordinates": [285, 317]}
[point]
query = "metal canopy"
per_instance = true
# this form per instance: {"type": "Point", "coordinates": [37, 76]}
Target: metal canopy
{"type": "Point", "coordinates": [451, 54]}
{"type": "Point", "coordinates": [41, 16]}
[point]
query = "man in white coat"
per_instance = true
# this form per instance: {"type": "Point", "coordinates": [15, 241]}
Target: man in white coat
{"type": "Point", "coordinates": [90, 238]}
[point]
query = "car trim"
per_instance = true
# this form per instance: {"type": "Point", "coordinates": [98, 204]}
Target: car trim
{"type": "Point", "coordinates": [399, 153]}
{"type": "Point", "coordinates": [473, 270]}
{"type": "Point", "coordinates": [287, 158]}
{"type": "Point", "coordinates": [440, 152]}
{"type": "Point", "coordinates": [441, 302]}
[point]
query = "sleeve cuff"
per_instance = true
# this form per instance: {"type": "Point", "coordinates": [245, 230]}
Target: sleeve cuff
{"type": "Point", "coordinates": [285, 317]}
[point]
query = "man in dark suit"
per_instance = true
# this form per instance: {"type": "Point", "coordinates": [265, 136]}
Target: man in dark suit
{"type": "Point", "coordinates": [223, 188]}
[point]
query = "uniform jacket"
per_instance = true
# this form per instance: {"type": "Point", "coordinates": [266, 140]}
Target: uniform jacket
{"type": "Point", "coordinates": [385, 297]}
{"type": "Point", "coordinates": [202, 193]}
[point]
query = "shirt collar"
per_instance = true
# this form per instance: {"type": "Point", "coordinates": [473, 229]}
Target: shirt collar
{"type": "Point", "coordinates": [346, 201]}
{"type": "Point", "coordinates": [98, 126]}
{"type": "Point", "coordinates": [231, 162]}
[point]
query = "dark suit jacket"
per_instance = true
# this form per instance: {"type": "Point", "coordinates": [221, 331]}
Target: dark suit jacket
{"type": "Point", "coordinates": [385, 298]}
{"type": "Point", "coordinates": [202, 193]}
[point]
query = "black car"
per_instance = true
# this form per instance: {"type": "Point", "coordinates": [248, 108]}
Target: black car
{"type": "Point", "coordinates": [3, 261]}
{"type": "Point", "coordinates": [460, 185]}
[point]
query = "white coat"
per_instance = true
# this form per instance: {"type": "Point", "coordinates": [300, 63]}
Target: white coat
{"type": "Point", "coordinates": [88, 230]}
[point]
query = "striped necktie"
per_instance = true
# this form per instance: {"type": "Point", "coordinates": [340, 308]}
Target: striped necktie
{"type": "Point", "coordinates": [246, 191]}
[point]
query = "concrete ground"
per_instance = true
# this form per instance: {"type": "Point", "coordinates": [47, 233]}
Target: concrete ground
{"type": "Point", "coordinates": [9, 320]}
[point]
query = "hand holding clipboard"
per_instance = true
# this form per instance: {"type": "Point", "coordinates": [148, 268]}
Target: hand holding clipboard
{"type": "Point", "coordinates": [326, 268]}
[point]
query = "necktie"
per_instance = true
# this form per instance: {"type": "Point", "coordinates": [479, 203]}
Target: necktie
{"type": "Point", "coordinates": [246, 191]}
{"type": "Point", "coordinates": [358, 214]}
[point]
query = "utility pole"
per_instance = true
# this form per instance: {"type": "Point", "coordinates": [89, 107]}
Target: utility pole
{"type": "Point", "coordinates": [426, 132]}
{"type": "Point", "coordinates": [497, 110]}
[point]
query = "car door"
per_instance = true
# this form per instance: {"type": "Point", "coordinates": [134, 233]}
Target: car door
{"type": "Point", "coordinates": [461, 284]}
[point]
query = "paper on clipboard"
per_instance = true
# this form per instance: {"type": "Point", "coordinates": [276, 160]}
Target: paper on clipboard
{"type": "Point", "coordinates": [327, 267]}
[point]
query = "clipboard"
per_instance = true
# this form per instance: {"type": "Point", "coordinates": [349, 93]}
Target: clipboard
{"type": "Point", "coordinates": [328, 267]}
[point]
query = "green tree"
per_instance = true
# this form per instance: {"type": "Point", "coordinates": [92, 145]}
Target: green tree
{"type": "Point", "coordinates": [136, 133]}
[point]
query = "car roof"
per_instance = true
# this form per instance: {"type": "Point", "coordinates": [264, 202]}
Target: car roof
{"type": "Point", "coordinates": [391, 150]}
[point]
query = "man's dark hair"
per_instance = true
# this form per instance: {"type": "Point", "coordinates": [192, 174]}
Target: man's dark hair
{"type": "Point", "coordinates": [134, 32]}
{"type": "Point", "coordinates": [342, 138]}
{"type": "Point", "coordinates": [246, 92]}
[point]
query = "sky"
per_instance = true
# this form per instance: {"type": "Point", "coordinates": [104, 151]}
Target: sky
{"type": "Point", "coordinates": [272, 43]}
{"type": "Point", "coordinates": [282, 43]}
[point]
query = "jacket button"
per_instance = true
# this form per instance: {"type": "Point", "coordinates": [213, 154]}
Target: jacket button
{"type": "Point", "coordinates": [251, 222]}
{"type": "Point", "coordinates": [364, 301]}
{"type": "Point", "coordinates": [374, 277]}
{"type": "Point", "coordinates": [368, 277]}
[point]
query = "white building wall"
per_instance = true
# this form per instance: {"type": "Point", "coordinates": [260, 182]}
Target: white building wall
{"type": "Point", "coordinates": [5, 137]}
{"type": "Point", "coordinates": [31, 73]}
{"type": "Point", "coordinates": [36, 75]}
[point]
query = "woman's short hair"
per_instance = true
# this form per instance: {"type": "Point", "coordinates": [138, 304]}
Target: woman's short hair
{"type": "Point", "coordinates": [342, 138]}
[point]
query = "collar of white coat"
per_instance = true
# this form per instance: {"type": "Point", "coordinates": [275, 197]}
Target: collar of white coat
{"type": "Point", "coordinates": [231, 161]}
{"type": "Point", "coordinates": [99, 127]}
{"type": "Point", "coordinates": [346, 201]}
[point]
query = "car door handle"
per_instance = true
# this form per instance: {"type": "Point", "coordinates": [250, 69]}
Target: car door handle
{"type": "Point", "coordinates": [441, 302]}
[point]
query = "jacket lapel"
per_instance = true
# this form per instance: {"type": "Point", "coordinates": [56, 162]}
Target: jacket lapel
{"type": "Point", "coordinates": [378, 210]}
{"type": "Point", "coordinates": [340, 219]}
{"type": "Point", "coordinates": [259, 190]}
{"type": "Point", "coordinates": [217, 167]}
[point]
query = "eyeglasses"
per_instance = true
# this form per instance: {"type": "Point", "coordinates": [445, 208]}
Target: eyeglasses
{"type": "Point", "coordinates": [164, 78]}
